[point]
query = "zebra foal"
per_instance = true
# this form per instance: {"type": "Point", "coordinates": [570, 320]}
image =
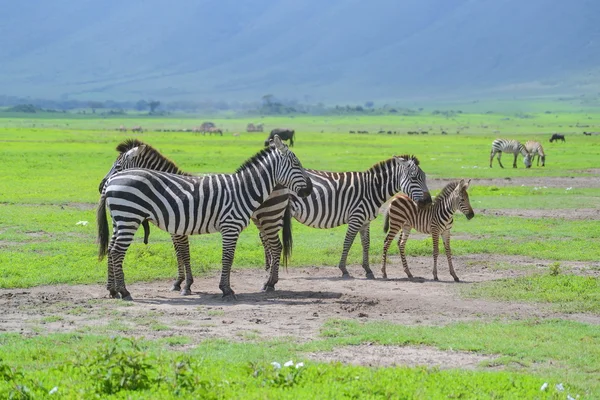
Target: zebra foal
{"type": "Point", "coordinates": [185, 205]}
{"type": "Point", "coordinates": [535, 148]}
{"type": "Point", "coordinates": [436, 219]}
{"type": "Point", "coordinates": [509, 146]}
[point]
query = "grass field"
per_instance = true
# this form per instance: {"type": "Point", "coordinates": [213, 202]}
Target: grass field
{"type": "Point", "coordinates": [49, 177]}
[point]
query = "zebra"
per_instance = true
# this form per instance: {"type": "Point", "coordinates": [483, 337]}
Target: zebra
{"type": "Point", "coordinates": [436, 219]}
{"type": "Point", "coordinates": [354, 198]}
{"type": "Point", "coordinates": [535, 148]}
{"type": "Point", "coordinates": [509, 146]}
{"type": "Point", "coordinates": [268, 218]}
{"type": "Point", "coordinates": [184, 205]}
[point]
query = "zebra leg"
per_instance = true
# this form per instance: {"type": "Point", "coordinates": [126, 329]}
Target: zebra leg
{"type": "Point", "coordinates": [402, 247]}
{"type": "Point", "coordinates": [353, 228]}
{"type": "Point", "coordinates": [386, 245]}
{"type": "Point", "coordinates": [515, 160]}
{"type": "Point", "coordinates": [120, 246]}
{"type": "Point", "coordinates": [110, 281]}
{"type": "Point", "coordinates": [365, 240]}
{"type": "Point", "coordinates": [492, 153]}
{"type": "Point", "coordinates": [499, 157]}
{"type": "Point", "coordinates": [436, 240]}
{"type": "Point", "coordinates": [230, 238]}
{"type": "Point", "coordinates": [182, 249]}
{"type": "Point", "coordinates": [446, 239]}
{"type": "Point", "coordinates": [276, 248]}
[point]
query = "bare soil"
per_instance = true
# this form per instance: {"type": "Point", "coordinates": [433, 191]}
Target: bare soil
{"type": "Point", "coordinates": [305, 299]}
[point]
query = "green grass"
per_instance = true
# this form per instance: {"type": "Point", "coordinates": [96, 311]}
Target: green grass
{"type": "Point", "coordinates": [563, 351]}
{"type": "Point", "coordinates": [91, 366]}
{"type": "Point", "coordinates": [565, 293]}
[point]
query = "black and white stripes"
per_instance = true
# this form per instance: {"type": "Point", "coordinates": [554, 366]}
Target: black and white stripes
{"type": "Point", "coordinates": [509, 146]}
{"type": "Point", "coordinates": [535, 148]}
{"type": "Point", "coordinates": [436, 219]}
{"type": "Point", "coordinates": [185, 205]}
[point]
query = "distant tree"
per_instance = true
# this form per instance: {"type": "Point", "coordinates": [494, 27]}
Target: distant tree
{"type": "Point", "coordinates": [369, 104]}
{"type": "Point", "coordinates": [268, 99]}
{"type": "Point", "coordinates": [153, 104]}
{"type": "Point", "coordinates": [95, 105]}
{"type": "Point", "coordinates": [141, 105]}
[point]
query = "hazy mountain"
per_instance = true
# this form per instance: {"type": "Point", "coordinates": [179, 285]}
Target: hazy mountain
{"type": "Point", "coordinates": [329, 50]}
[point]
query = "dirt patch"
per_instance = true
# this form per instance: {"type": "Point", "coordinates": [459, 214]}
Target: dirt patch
{"type": "Point", "coordinates": [305, 299]}
{"type": "Point", "coordinates": [566, 213]}
{"type": "Point", "coordinates": [411, 356]}
{"type": "Point", "coordinates": [579, 182]}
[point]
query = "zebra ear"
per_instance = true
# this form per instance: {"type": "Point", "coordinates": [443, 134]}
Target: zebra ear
{"type": "Point", "coordinates": [466, 184]}
{"type": "Point", "coordinates": [279, 144]}
{"type": "Point", "coordinates": [134, 152]}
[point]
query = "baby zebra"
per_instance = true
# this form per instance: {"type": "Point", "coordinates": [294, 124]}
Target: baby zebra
{"type": "Point", "coordinates": [534, 148]}
{"type": "Point", "coordinates": [435, 219]}
{"type": "Point", "coordinates": [509, 146]}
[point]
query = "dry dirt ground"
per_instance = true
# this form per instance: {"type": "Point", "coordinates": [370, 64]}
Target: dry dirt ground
{"type": "Point", "coordinates": [305, 299]}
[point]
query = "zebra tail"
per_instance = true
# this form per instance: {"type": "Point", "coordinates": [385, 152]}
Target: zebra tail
{"type": "Point", "coordinates": [146, 230]}
{"type": "Point", "coordinates": [386, 222]}
{"type": "Point", "coordinates": [102, 228]}
{"type": "Point", "coordinates": [287, 235]}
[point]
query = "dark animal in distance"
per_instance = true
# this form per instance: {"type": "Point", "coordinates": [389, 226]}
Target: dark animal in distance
{"type": "Point", "coordinates": [283, 133]}
{"type": "Point", "coordinates": [137, 128]}
{"type": "Point", "coordinates": [557, 137]}
{"type": "Point", "coordinates": [587, 133]}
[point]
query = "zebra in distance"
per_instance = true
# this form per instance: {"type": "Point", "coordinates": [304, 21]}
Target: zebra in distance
{"type": "Point", "coordinates": [509, 146]}
{"type": "Point", "coordinates": [535, 148]}
{"type": "Point", "coordinates": [436, 219]}
{"type": "Point", "coordinates": [184, 205]}
{"type": "Point", "coordinates": [269, 217]}
{"type": "Point", "coordinates": [354, 198]}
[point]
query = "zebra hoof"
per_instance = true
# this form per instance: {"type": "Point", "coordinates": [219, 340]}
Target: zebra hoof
{"type": "Point", "coordinates": [346, 276]}
{"type": "Point", "coordinates": [186, 292]}
{"type": "Point", "coordinates": [127, 298]}
{"type": "Point", "coordinates": [435, 278]}
{"type": "Point", "coordinates": [456, 279]}
{"type": "Point", "coordinates": [175, 288]}
{"type": "Point", "coordinates": [268, 288]}
{"type": "Point", "coordinates": [370, 275]}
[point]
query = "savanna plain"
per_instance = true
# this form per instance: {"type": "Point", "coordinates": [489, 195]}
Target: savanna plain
{"type": "Point", "coordinates": [523, 322]}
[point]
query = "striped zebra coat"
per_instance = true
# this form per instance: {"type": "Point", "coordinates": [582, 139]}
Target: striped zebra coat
{"type": "Point", "coordinates": [437, 219]}
{"type": "Point", "coordinates": [535, 148]}
{"type": "Point", "coordinates": [354, 198]}
{"type": "Point", "coordinates": [269, 217]}
{"type": "Point", "coordinates": [185, 205]}
{"type": "Point", "coordinates": [509, 146]}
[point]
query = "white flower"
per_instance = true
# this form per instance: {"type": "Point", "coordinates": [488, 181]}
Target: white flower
{"type": "Point", "coordinates": [53, 390]}
{"type": "Point", "coordinates": [300, 364]}
{"type": "Point", "coordinates": [569, 188]}
{"type": "Point", "coordinates": [544, 386]}
{"type": "Point", "coordinates": [84, 223]}
{"type": "Point", "coordinates": [288, 364]}
{"type": "Point", "coordinates": [276, 365]}
{"type": "Point", "coordinates": [560, 387]}
{"type": "Point", "coordinates": [569, 397]}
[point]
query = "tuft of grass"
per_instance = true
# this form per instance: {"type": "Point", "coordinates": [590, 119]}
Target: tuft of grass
{"type": "Point", "coordinates": [565, 292]}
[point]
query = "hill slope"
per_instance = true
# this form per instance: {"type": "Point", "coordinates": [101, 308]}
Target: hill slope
{"type": "Point", "coordinates": [334, 50]}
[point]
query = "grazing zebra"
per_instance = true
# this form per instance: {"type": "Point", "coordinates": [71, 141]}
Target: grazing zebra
{"type": "Point", "coordinates": [269, 218]}
{"type": "Point", "coordinates": [535, 148]}
{"type": "Point", "coordinates": [354, 198]}
{"type": "Point", "coordinates": [404, 214]}
{"type": "Point", "coordinates": [509, 146]}
{"type": "Point", "coordinates": [184, 205]}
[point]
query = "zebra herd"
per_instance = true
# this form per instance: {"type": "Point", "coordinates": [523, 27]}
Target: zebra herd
{"type": "Point", "coordinates": [270, 188]}
{"type": "Point", "coordinates": [528, 151]}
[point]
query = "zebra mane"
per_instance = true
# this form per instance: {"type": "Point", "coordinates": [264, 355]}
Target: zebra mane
{"type": "Point", "coordinates": [446, 192]}
{"type": "Point", "coordinates": [150, 151]}
{"type": "Point", "coordinates": [410, 157]}
{"type": "Point", "coordinates": [252, 160]}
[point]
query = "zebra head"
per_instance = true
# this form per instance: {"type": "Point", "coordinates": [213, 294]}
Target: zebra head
{"type": "Point", "coordinates": [125, 160]}
{"type": "Point", "coordinates": [413, 179]}
{"type": "Point", "coordinates": [290, 172]}
{"type": "Point", "coordinates": [527, 160]}
{"type": "Point", "coordinates": [464, 205]}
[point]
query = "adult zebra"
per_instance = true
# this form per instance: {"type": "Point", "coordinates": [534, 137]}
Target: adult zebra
{"type": "Point", "coordinates": [404, 214]}
{"type": "Point", "coordinates": [535, 148]}
{"type": "Point", "coordinates": [184, 205]}
{"type": "Point", "coordinates": [268, 217]}
{"type": "Point", "coordinates": [354, 198]}
{"type": "Point", "coordinates": [509, 146]}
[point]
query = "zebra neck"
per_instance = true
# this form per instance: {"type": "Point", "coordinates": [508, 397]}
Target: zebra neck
{"type": "Point", "coordinates": [523, 150]}
{"type": "Point", "coordinates": [256, 184]}
{"type": "Point", "coordinates": [384, 186]}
